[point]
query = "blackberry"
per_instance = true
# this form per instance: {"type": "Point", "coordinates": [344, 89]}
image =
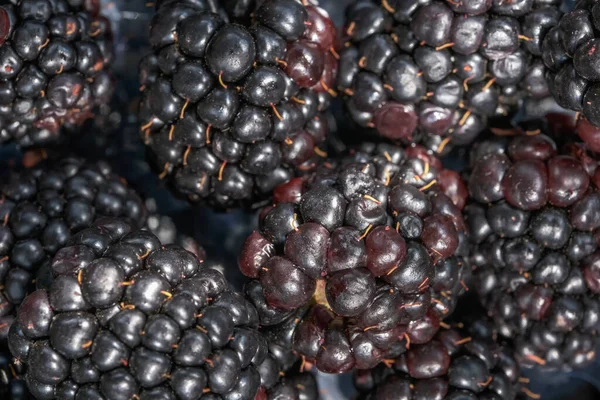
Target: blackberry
{"type": "Point", "coordinates": [126, 316]}
{"type": "Point", "coordinates": [533, 221]}
{"type": "Point", "coordinates": [372, 245]}
{"type": "Point", "coordinates": [459, 363]}
{"type": "Point", "coordinates": [570, 51]}
{"type": "Point", "coordinates": [230, 111]}
{"type": "Point", "coordinates": [54, 58]}
{"type": "Point", "coordinates": [435, 71]}
{"type": "Point", "coordinates": [41, 208]}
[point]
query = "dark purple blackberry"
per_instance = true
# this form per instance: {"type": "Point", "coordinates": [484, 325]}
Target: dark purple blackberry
{"type": "Point", "coordinates": [41, 208]}
{"type": "Point", "coordinates": [571, 50]}
{"type": "Point", "coordinates": [434, 71]}
{"type": "Point", "coordinates": [372, 245]}
{"type": "Point", "coordinates": [459, 363]}
{"type": "Point", "coordinates": [230, 111]}
{"type": "Point", "coordinates": [54, 67]}
{"type": "Point", "coordinates": [533, 220]}
{"type": "Point", "coordinates": [126, 316]}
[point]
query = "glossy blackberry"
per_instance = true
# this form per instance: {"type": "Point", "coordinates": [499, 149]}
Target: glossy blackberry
{"type": "Point", "coordinates": [41, 208]}
{"type": "Point", "coordinates": [126, 316]}
{"type": "Point", "coordinates": [571, 52]}
{"type": "Point", "coordinates": [458, 363]}
{"type": "Point", "coordinates": [434, 71]}
{"type": "Point", "coordinates": [372, 245]}
{"type": "Point", "coordinates": [533, 221]}
{"type": "Point", "coordinates": [55, 57]}
{"type": "Point", "coordinates": [230, 111]}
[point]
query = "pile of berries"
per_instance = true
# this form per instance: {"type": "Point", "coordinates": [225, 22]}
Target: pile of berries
{"type": "Point", "coordinates": [418, 223]}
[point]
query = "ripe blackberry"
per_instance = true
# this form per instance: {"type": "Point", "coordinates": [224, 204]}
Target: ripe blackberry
{"type": "Point", "coordinates": [126, 316]}
{"type": "Point", "coordinates": [533, 221]}
{"type": "Point", "coordinates": [41, 208]}
{"type": "Point", "coordinates": [435, 70]}
{"type": "Point", "coordinates": [230, 111]}
{"type": "Point", "coordinates": [372, 244]}
{"type": "Point", "coordinates": [459, 363]}
{"type": "Point", "coordinates": [571, 50]}
{"type": "Point", "coordinates": [54, 67]}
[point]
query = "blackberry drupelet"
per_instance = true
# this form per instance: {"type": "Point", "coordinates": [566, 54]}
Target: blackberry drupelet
{"type": "Point", "coordinates": [41, 208]}
{"type": "Point", "coordinates": [571, 50]}
{"type": "Point", "coordinates": [230, 111]}
{"type": "Point", "coordinates": [371, 245]}
{"type": "Point", "coordinates": [434, 71]}
{"type": "Point", "coordinates": [457, 364]}
{"type": "Point", "coordinates": [126, 316]}
{"type": "Point", "coordinates": [54, 67]}
{"type": "Point", "coordinates": [533, 220]}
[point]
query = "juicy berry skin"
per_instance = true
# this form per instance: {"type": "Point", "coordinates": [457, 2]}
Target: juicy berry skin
{"type": "Point", "coordinates": [229, 111]}
{"type": "Point", "coordinates": [125, 315]}
{"type": "Point", "coordinates": [55, 58]}
{"type": "Point", "coordinates": [434, 70]}
{"type": "Point", "coordinates": [457, 363]}
{"type": "Point", "coordinates": [42, 208]}
{"type": "Point", "coordinates": [532, 222]}
{"type": "Point", "coordinates": [374, 242]}
{"type": "Point", "coordinates": [570, 51]}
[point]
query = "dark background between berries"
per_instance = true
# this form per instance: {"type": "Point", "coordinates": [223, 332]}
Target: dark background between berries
{"type": "Point", "coordinates": [222, 234]}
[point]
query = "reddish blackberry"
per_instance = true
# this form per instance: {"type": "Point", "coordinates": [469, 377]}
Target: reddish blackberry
{"type": "Point", "coordinates": [456, 364]}
{"type": "Point", "coordinates": [126, 317]}
{"type": "Point", "coordinates": [230, 111]}
{"type": "Point", "coordinates": [372, 244]}
{"type": "Point", "coordinates": [54, 67]}
{"type": "Point", "coordinates": [41, 208]}
{"type": "Point", "coordinates": [435, 70]}
{"type": "Point", "coordinates": [534, 220]}
{"type": "Point", "coordinates": [571, 50]}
